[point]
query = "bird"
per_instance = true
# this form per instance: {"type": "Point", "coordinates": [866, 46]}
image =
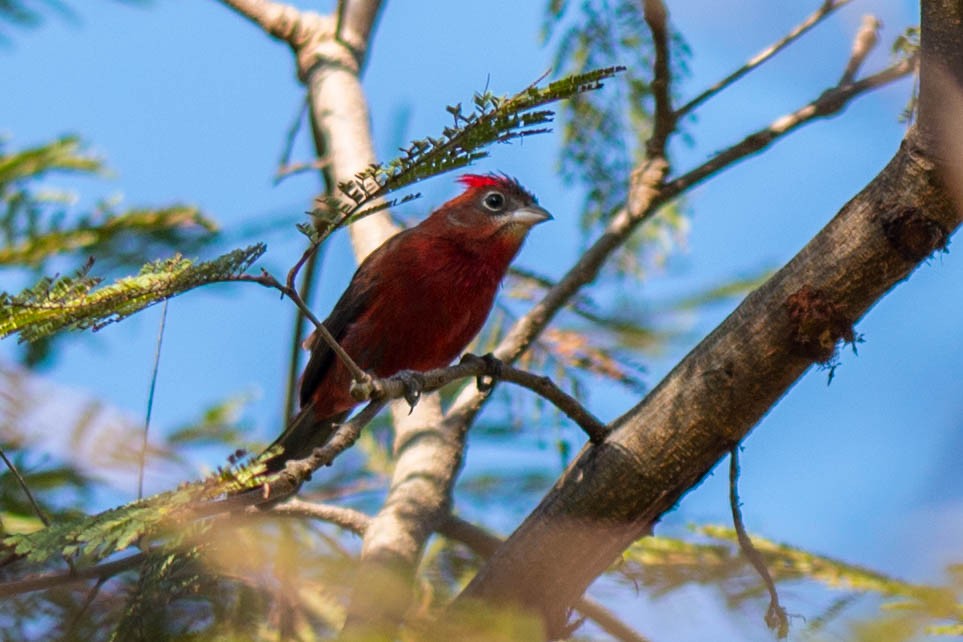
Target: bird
{"type": "Point", "coordinates": [413, 304]}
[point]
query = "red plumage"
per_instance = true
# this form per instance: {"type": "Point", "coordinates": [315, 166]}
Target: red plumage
{"type": "Point", "coordinates": [415, 302]}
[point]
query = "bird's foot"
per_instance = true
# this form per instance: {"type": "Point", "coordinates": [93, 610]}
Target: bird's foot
{"type": "Point", "coordinates": [493, 368]}
{"type": "Point", "coordinates": [414, 383]}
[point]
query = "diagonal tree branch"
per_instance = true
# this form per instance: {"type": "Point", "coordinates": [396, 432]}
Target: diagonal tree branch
{"type": "Point", "coordinates": [614, 493]}
{"type": "Point", "coordinates": [648, 193]}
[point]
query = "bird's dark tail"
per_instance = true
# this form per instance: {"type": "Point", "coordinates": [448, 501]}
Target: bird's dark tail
{"type": "Point", "coordinates": [304, 433]}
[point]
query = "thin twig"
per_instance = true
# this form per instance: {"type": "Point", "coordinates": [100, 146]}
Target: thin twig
{"type": "Point", "coordinates": [150, 400]}
{"type": "Point", "coordinates": [776, 617]}
{"type": "Point", "coordinates": [299, 470]}
{"type": "Point", "coordinates": [284, 163]}
{"type": "Point", "coordinates": [286, 171]}
{"type": "Point", "coordinates": [828, 103]}
{"type": "Point", "coordinates": [820, 14]}
{"type": "Point", "coordinates": [26, 489]}
{"type": "Point", "coordinates": [91, 596]}
{"type": "Point", "coordinates": [268, 280]}
{"type": "Point", "coordinates": [307, 291]}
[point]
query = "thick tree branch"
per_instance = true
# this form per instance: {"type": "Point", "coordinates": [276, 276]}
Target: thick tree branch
{"type": "Point", "coordinates": [648, 192]}
{"type": "Point", "coordinates": [614, 493]}
{"type": "Point", "coordinates": [484, 544]}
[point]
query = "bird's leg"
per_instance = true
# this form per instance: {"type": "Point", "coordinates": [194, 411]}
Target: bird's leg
{"type": "Point", "coordinates": [414, 383]}
{"type": "Point", "coordinates": [493, 368]}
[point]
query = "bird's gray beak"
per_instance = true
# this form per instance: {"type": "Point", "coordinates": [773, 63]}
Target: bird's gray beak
{"type": "Point", "coordinates": [530, 215]}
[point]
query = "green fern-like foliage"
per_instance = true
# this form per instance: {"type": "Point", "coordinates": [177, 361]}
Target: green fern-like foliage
{"type": "Point", "coordinates": [43, 230]}
{"type": "Point", "coordinates": [491, 119]}
{"type": "Point", "coordinates": [38, 222]}
{"type": "Point", "coordinates": [122, 237]}
{"type": "Point", "coordinates": [76, 303]}
{"type": "Point", "coordinates": [169, 518]}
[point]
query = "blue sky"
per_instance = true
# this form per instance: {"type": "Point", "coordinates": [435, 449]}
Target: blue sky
{"type": "Point", "coordinates": [189, 103]}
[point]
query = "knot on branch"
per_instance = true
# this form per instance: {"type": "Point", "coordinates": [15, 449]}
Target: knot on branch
{"type": "Point", "coordinates": [818, 324]}
{"type": "Point", "coordinates": [914, 235]}
{"type": "Point", "coordinates": [645, 183]}
{"type": "Point", "coordinates": [492, 369]}
{"type": "Point", "coordinates": [317, 45]}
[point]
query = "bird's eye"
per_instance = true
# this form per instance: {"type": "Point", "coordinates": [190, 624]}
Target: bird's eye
{"type": "Point", "coordinates": [494, 201]}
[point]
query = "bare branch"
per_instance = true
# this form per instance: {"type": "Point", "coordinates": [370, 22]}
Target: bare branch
{"type": "Point", "coordinates": [280, 20]}
{"type": "Point", "coordinates": [664, 119]}
{"type": "Point", "coordinates": [355, 21]}
{"type": "Point", "coordinates": [866, 38]}
{"type": "Point", "coordinates": [818, 16]}
{"type": "Point", "coordinates": [299, 470]}
{"type": "Point", "coordinates": [287, 289]}
{"type": "Point", "coordinates": [347, 518]}
{"type": "Point", "coordinates": [396, 387]}
{"type": "Point", "coordinates": [830, 102]}
{"type": "Point", "coordinates": [728, 382]}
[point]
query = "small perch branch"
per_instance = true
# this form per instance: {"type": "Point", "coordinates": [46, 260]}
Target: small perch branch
{"type": "Point", "coordinates": [269, 281]}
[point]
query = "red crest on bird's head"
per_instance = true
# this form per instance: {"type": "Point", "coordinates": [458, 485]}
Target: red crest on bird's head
{"type": "Point", "coordinates": [503, 181]}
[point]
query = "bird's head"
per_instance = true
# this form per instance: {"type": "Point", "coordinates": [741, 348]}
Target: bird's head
{"type": "Point", "coordinates": [493, 208]}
